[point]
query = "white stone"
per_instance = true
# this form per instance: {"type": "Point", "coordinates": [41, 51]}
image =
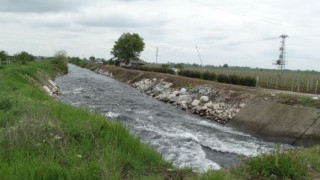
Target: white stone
{"type": "Point", "coordinates": [186, 98]}
{"type": "Point", "coordinates": [242, 105]}
{"type": "Point", "coordinates": [47, 90]}
{"type": "Point", "coordinates": [207, 105]}
{"type": "Point", "coordinates": [183, 90]}
{"type": "Point", "coordinates": [175, 93]}
{"type": "Point", "coordinates": [315, 98]}
{"type": "Point", "coordinates": [184, 105]}
{"type": "Point", "coordinates": [204, 98]}
{"type": "Point", "coordinates": [195, 102]}
{"type": "Point", "coordinates": [52, 83]}
{"type": "Point", "coordinates": [215, 106]}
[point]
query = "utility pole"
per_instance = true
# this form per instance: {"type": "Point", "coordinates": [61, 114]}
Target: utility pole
{"type": "Point", "coordinates": [157, 49]}
{"type": "Point", "coordinates": [200, 58]}
{"type": "Point", "coordinates": [281, 62]}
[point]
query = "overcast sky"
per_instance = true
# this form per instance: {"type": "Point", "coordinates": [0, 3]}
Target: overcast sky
{"type": "Point", "coordinates": [242, 33]}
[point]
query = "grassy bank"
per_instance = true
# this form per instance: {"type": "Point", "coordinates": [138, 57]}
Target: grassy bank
{"type": "Point", "coordinates": [41, 138]}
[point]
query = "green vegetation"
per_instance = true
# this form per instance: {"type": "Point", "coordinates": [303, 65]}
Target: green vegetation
{"type": "Point", "coordinates": [281, 164]}
{"type": "Point", "coordinates": [128, 47]}
{"type": "Point", "coordinates": [163, 69]}
{"type": "Point", "coordinates": [23, 57]}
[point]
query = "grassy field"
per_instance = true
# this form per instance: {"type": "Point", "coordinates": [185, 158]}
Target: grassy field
{"type": "Point", "coordinates": [41, 138]}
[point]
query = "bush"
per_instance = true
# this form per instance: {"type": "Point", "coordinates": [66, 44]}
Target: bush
{"type": "Point", "coordinates": [23, 57]}
{"type": "Point", "coordinates": [223, 78]}
{"type": "Point", "coordinates": [152, 69]}
{"type": "Point", "coordinates": [191, 74]}
{"type": "Point", "coordinates": [234, 79]}
{"type": "Point", "coordinates": [60, 60]}
{"type": "Point", "coordinates": [209, 76]}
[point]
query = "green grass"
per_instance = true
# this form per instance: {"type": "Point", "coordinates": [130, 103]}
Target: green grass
{"type": "Point", "coordinates": [41, 138]}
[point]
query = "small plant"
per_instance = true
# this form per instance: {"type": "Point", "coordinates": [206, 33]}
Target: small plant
{"type": "Point", "coordinates": [5, 104]}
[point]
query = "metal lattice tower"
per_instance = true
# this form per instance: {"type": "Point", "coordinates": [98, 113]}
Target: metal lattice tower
{"type": "Point", "coordinates": [281, 62]}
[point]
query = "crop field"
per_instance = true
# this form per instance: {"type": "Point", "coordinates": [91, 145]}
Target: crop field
{"type": "Point", "coordinates": [296, 81]}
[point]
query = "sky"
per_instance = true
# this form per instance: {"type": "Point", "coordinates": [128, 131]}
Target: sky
{"type": "Point", "coordinates": [234, 32]}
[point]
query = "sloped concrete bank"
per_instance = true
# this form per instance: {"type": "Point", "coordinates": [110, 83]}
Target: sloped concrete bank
{"type": "Point", "coordinates": [241, 107]}
{"type": "Point", "coordinates": [280, 123]}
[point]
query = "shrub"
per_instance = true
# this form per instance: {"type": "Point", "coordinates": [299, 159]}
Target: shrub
{"type": "Point", "coordinates": [23, 57]}
{"type": "Point", "coordinates": [223, 78]}
{"type": "Point", "coordinates": [191, 74]}
{"type": "Point", "coordinates": [209, 76]}
{"type": "Point", "coordinates": [234, 79]}
{"type": "Point", "coordinates": [60, 60]}
{"type": "Point", "coordinates": [248, 81]}
{"type": "Point", "coordinates": [152, 69]}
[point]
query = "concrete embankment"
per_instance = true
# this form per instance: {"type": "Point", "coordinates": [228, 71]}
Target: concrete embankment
{"type": "Point", "coordinates": [253, 110]}
{"type": "Point", "coordinates": [280, 123]}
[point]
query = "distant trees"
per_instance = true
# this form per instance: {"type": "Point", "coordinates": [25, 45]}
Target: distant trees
{"type": "Point", "coordinates": [3, 55]}
{"type": "Point", "coordinates": [225, 66]}
{"type": "Point", "coordinates": [23, 57]}
{"type": "Point", "coordinates": [92, 58]}
{"type": "Point", "coordinates": [127, 47]}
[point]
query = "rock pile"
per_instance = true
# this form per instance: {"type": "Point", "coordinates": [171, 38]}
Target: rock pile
{"type": "Point", "coordinates": [205, 100]}
{"type": "Point", "coordinates": [52, 89]}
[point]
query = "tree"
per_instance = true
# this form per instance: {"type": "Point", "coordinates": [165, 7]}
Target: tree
{"type": "Point", "coordinates": [225, 66]}
{"type": "Point", "coordinates": [127, 47]}
{"type": "Point", "coordinates": [3, 55]}
{"type": "Point", "coordinates": [24, 57]}
{"type": "Point", "coordinates": [92, 58]}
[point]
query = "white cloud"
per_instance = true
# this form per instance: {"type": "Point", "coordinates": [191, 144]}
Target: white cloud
{"type": "Point", "coordinates": [243, 33]}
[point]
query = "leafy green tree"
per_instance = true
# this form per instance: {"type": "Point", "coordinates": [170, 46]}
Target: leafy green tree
{"type": "Point", "coordinates": [225, 66]}
{"type": "Point", "coordinates": [24, 57]}
{"type": "Point", "coordinates": [127, 47]}
{"type": "Point", "coordinates": [3, 55]}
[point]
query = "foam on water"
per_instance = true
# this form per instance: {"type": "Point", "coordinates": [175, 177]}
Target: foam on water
{"type": "Point", "coordinates": [111, 114]}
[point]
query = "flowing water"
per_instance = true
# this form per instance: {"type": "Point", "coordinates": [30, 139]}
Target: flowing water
{"type": "Point", "coordinates": [183, 138]}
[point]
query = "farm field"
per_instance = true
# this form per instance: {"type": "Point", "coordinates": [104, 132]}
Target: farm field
{"type": "Point", "coordinates": [296, 81]}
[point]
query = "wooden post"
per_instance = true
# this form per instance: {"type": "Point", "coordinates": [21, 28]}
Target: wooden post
{"type": "Point", "coordinates": [257, 81]}
{"type": "Point", "coordinates": [292, 85]}
{"type": "Point", "coordinates": [298, 82]}
{"type": "Point", "coordinates": [277, 83]}
{"type": "Point", "coordinates": [308, 86]}
{"type": "Point", "coordinates": [316, 87]}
